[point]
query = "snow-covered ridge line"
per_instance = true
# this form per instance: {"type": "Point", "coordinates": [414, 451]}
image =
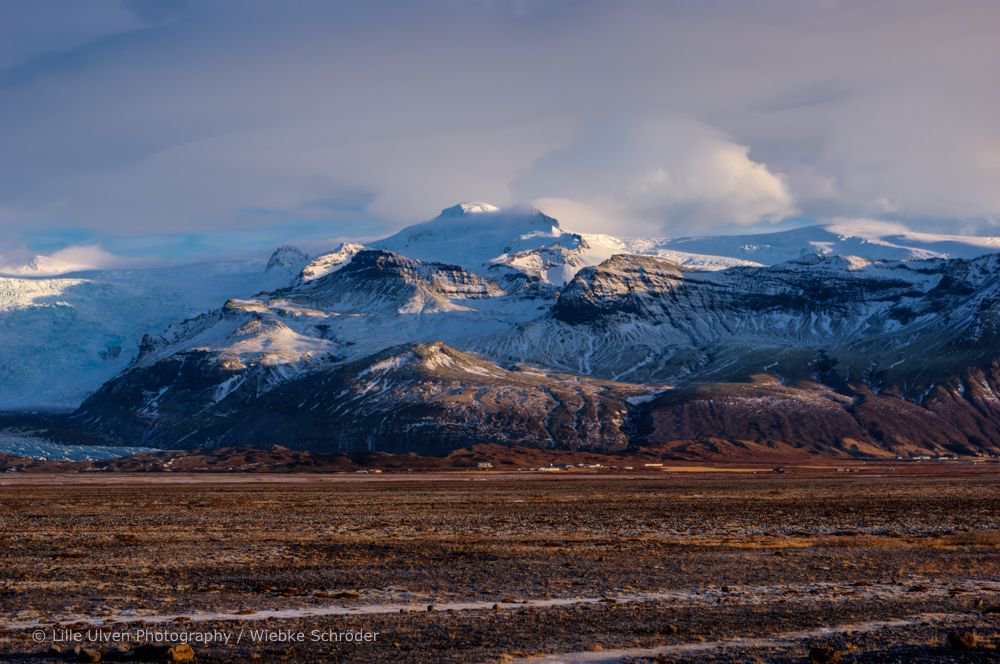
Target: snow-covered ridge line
{"type": "Point", "coordinates": [532, 245]}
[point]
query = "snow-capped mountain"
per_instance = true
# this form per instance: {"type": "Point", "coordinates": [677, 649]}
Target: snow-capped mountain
{"type": "Point", "coordinates": [522, 247]}
{"type": "Point", "coordinates": [480, 236]}
{"type": "Point", "coordinates": [527, 243]}
{"type": "Point", "coordinates": [498, 325]}
{"type": "Point", "coordinates": [379, 299]}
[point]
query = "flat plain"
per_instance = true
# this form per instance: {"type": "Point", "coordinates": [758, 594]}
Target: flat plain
{"type": "Point", "coordinates": [879, 565]}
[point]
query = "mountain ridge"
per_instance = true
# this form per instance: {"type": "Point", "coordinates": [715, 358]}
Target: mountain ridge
{"type": "Point", "coordinates": [557, 340]}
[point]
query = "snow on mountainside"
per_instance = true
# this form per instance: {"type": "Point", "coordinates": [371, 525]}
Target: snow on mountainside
{"type": "Point", "coordinates": [331, 262]}
{"type": "Point", "coordinates": [511, 284]}
{"type": "Point", "coordinates": [638, 319]}
{"type": "Point", "coordinates": [467, 208]}
{"type": "Point", "coordinates": [61, 337]}
{"type": "Point", "coordinates": [516, 245]}
{"type": "Point", "coordinates": [866, 239]}
{"type": "Point", "coordinates": [287, 258]}
{"type": "Point", "coordinates": [520, 247]}
{"type": "Point", "coordinates": [376, 300]}
{"type": "Point", "coordinates": [478, 235]}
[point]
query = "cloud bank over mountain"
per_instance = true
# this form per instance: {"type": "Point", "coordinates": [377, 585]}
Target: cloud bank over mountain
{"type": "Point", "coordinates": [643, 174]}
{"type": "Point", "coordinates": [253, 119]}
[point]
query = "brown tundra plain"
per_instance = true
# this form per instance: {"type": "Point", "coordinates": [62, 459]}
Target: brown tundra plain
{"type": "Point", "coordinates": [812, 564]}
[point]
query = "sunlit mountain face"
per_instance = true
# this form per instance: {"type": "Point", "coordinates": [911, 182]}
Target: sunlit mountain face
{"type": "Point", "coordinates": [487, 324]}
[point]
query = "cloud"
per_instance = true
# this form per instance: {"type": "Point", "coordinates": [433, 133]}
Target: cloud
{"type": "Point", "coordinates": [662, 174]}
{"type": "Point", "coordinates": [91, 256]}
{"type": "Point", "coordinates": [75, 258]}
{"type": "Point", "coordinates": [33, 28]}
{"type": "Point", "coordinates": [156, 119]}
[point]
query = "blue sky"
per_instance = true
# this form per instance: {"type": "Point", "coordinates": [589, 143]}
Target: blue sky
{"type": "Point", "coordinates": [172, 129]}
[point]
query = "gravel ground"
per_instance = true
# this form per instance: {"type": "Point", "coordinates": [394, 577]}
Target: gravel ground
{"type": "Point", "coordinates": [652, 567]}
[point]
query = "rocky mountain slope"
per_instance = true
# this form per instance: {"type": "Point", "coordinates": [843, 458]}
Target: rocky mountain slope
{"type": "Point", "coordinates": [641, 319]}
{"type": "Point", "coordinates": [415, 397]}
{"type": "Point", "coordinates": [497, 326]}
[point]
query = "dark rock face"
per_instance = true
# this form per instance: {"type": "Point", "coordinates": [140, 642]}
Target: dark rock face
{"type": "Point", "coordinates": [132, 406]}
{"type": "Point", "coordinates": [383, 278]}
{"type": "Point", "coordinates": [645, 320]}
{"type": "Point", "coordinates": [432, 399]}
{"type": "Point", "coordinates": [650, 287]}
{"type": "Point", "coordinates": [425, 398]}
{"type": "Point", "coordinates": [962, 641]}
{"type": "Point", "coordinates": [824, 654]}
{"type": "Point", "coordinates": [812, 417]}
{"type": "Point", "coordinates": [622, 284]}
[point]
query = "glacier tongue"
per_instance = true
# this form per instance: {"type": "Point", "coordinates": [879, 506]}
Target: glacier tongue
{"type": "Point", "coordinates": [61, 337]}
{"type": "Point", "coordinates": [29, 444]}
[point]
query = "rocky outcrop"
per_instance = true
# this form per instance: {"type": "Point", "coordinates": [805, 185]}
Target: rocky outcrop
{"type": "Point", "coordinates": [631, 285]}
{"type": "Point", "coordinates": [424, 398]}
{"type": "Point", "coordinates": [379, 281]}
{"type": "Point", "coordinates": [961, 418]}
{"type": "Point", "coordinates": [287, 257]}
{"type": "Point", "coordinates": [330, 262]}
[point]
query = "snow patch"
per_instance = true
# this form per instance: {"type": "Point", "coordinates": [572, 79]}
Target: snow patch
{"type": "Point", "coordinates": [389, 364]}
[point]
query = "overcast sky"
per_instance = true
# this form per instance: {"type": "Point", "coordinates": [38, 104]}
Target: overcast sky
{"type": "Point", "coordinates": [170, 128]}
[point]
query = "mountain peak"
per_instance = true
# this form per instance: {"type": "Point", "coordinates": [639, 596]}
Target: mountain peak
{"type": "Point", "coordinates": [287, 256]}
{"type": "Point", "coordinates": [324, 264]}
{"type": "Point", "coordinates": [467, 208]}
